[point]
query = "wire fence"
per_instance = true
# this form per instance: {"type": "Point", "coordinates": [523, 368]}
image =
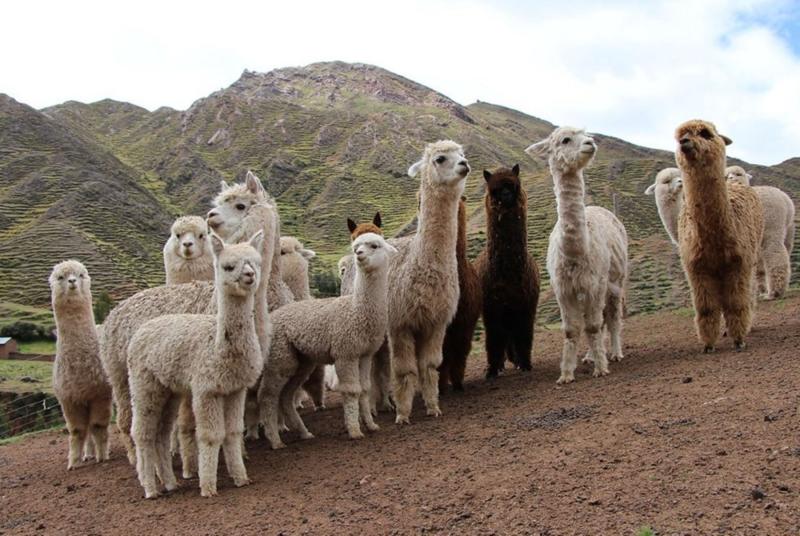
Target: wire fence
{"type": "Point", "coordinates": [21, 413]}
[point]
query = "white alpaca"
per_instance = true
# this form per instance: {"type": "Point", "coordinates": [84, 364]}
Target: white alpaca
{"type": "Point", "coordinates": [587, 256]}
{"type": "Point", "coordinates": [423, 286]}
{"type": "Point", "coordinates": [774, 267]}
{"type": "Point", "coordinates": [668, 190]}
{"type": "Point", "coordinates": [174, 356]}
{"type": "Point", "coordinates": [294, 267]}
{"type": "Point", "coordinates": [345, 331]}
{"type": "Point", "coordinates": [186, 254]}
{"type": "Point", "coordinates": [78, 379]}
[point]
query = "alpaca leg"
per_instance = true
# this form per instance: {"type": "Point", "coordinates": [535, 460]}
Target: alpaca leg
{"type": "Point", "coordinates": [380, 393]}
{"type": "Point", "coordinates": [429, 352]}
{"type": "Point", "coordinates": [761, 276]}
{"type": "Point", "coordinates": [164, 435]}
{"type": "Point", "coordinates": [99, 418]}
{"type": "Point", "coordinates": [350, 387]}
{"type": "Point", "coordinates": [364, 398]}
{"type": "Point", "coordinates": [122, 400]}
{"type": "Point", "coordinates": [77, 419]}
{"type": "Point", "coordinates": [404, 367]}
{"type": "Point", "coordinates": [612, 316]}
{"type": "Point", "coordinates": [522, 340]}
{"type": "Point", "coordinates": [707, 310]}
{"type": "Point", "coordinates": [444, 368]}
{"type": "Point", "coordinates": [251, 414]}
{"type": "Point", "coordinates": [593, 327]}
{"type": "Point", "coordinates": [495, 348]}
{"type": "Point", "coordinates": [737, 307]}
{"type": "Point", "coordinates": [232, 444]}
{"type": "Point", "coordinates": [88, 448]}
{"type": "Point", "coordinates": [315, 387]}
{"type": "Point", "coordinates": [209, 414]}
{"type": "Point", "coordinates": [458, 364]}
{"type": "Point", "coordinates": [150, 398]}
{"type": "Point", "coordinates": [779, 271]}
{"type": "Point", "coordinates": [569, 354]}
{"type": "Point", "coordinates": [269, 407]}
{"type": "Point", "coordinates": [287, 405]}
{"type": "Point", "coordinates": [186, 437]}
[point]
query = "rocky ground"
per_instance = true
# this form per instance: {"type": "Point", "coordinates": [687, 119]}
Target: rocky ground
{"type": "Point", "coordinates": [674, 440]}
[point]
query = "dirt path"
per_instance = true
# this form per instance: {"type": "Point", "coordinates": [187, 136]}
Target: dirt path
{"type": "Point", "coordinates": [685, 443]}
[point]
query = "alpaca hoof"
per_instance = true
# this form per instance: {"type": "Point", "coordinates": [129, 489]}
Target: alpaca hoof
{"type": "Point", "coordinates": [306, 435]}
{"type": "Point", "coordinates": [208, 492]}
{"type": "Point", "coordinates": [153, 495]}
{"type": "Point", "coordinates": [739, 345]}
{"type": "Point", "coordinates": [283, 428]}
{"type": "Point", "coordinates": [616, 357]}
{"type": "Point", "coordinates": [400, 419]}
{"type": "Point", "coordinates": [709, 349]}
{"type": "Point", "coordinates": [600, 372]}
{"type": "Point", "coordinates": [372, 427]}
{"type": "Point", "coordinates": [241, 482]}
{"type": "Point", "coordinates": [587, 360]}
{"type": "Point", "coordinates": [320, 407]}
{"type": "Point", "coordinates": [434, 412]}
{"type": "Point", "coordinates": [357, 435]}
{"type": "Point", "coordinates": [171, 487]}
{"type": "Point", "coordinates": [278, 446]}
{"type": "Point", "coordinates": [565, 378]}
{"type": "Point", "coordinates": [187, 475]}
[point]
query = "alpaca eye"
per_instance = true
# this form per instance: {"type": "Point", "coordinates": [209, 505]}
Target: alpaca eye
{"type": "Point", "coordinates": [201, 236]}
{"type": "Point", "coordinates": [705, 133]}
{"type": "Point", "coordinates": [228, 268]}
{"type": "Point", "coordinates": [81, 276]}
{"type": "Point", "coordinates": [440, 159]}
{"type": "Point", "coordinates": [374, 246]}
{"type": "Point", "coordinates": [566, 140]}
{"type": "Point", "coordinates": [240, 206]}
{"type": "Point", "coordinates": [61, 278]}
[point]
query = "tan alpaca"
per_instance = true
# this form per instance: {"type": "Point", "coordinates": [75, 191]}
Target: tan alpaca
{"type": "Point", "coordinates": [171, 357]}
{"type": "Point", "coordinates": [78, 379]}
{"type": "Point", "coordinates": [294, 267]}
{"type": "Point", "coordinates": [775, 268]}
{"type": "Point", "coordinates": [187, 256]}
{"type": "Point", "coordinates": [587, 256]}
{"type": "Point", "coordinates": [719, 231]}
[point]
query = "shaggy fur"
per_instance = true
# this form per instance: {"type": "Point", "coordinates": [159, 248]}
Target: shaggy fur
{"type": "Point", "coordinates": [775, 268]}
{"type": "Point", "coordinates": [188, 298]}
{"type": "Point", "coordinates": [294, 267]}
{"type": "Point", "coordinates": [78, 379]}
{"type": "Point", "coordinates": [508, 274]}
{"type": "Point", "coordinates": [345, 331]}
{"type": "Point", "coordinates": [177, 355]}
{"type": "Point", "coordinates": [668, 191]}
{"type": "Point", "coordinates": [423, 286]}
{"type": "Point", "coordinates": [720, 231]}
{"type": "Point", "coordinates": [587, 257]}
{"type": "Point", "coordinates": [187, 256]}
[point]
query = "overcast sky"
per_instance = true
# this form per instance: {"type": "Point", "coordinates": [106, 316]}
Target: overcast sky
{"type": "Point", "coordinates": [629, 69]}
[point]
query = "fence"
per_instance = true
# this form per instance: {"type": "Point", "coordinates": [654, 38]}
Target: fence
{"type": "Point", "coordinates": [28, 412]}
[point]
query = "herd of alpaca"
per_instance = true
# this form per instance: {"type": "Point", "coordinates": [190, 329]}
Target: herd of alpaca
{"type": "Point", "coordinates": [234, 341]}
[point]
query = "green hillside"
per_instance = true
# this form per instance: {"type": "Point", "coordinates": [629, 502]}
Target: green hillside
{"type": "Point", "coordinates": [101, 181]}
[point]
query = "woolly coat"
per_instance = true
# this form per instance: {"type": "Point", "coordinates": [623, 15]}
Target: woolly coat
{"type": "Point", "coordinates": [179, 269]}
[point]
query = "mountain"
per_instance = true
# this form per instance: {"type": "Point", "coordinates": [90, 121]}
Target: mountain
{"type": "Point", "coordinates": [329, 140]}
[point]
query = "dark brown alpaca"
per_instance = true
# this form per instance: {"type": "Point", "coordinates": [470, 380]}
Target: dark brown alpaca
{"type": "Point", "coordinates": [357, 229]}
{"type": "Point", "coordinates": [508, 273]}
{"type": "Point", "coordinates": [458, 339]}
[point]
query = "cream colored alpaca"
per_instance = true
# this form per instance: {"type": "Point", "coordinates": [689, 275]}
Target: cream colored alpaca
{"type": "Point", "coordinates": [186, 254]}
{"type": "Point", "coordinates": [294, 267]}
{"type": "Point", "coordinates": [174, 356]}
{"type": "Point", "coordinates": [345, 331]}
{"type": "Point", "coordinates": [668, 191]}
{"type": "Point", "coordinates": [775, 268]}
{"type": "Point", "coordinates": [423, 285]}
{"type": "Point", "coordinates": [587, 257]}
{"type": "Point", "coordinates": [78, 379]}
{"type": "Point", "coordinates": [241, 206]}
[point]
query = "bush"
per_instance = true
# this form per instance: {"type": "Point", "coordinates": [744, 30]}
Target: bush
{"type": "Point", "coordinates": [325, 284]}
{"type": "Point", "coordinates": [102, 306]}
{"type": "Point", "coordinates": [26, 331]}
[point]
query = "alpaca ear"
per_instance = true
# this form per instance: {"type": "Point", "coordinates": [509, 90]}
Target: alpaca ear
{"type": "Point", "coordinates": [217, 245]}
{"type": "Point", "coordinates": [390, 248]}
{"type": "Point", "coordinates": [253, 183]}
{"type": "Point", "coordinates": [256, 240]}
{"type": "Point", "coordinates": [351, 225]}
{"type": "Point", "coordinates": [538, 148]}
{"type": "Point", "coordinates": [223, 186]}
{"type": "Point", "coordinates": [515, 170]}
{"type": "Point", "coordinates": [376, 221]}
{"type": "Point", "coordinates": [726, 139]}
{"type": "Point", "coordinates": [308, 253]}
{"type": "Point", "coordinates": [413, 171]}
{"type": "Point", "coordinates": [650, 190]}
{"type": "Point", "coordinates": [749, 177]}
{"type": "Point", "coordinates": [487, 175]}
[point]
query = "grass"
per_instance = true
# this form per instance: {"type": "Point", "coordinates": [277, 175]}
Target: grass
{"type": "Point", "coordinates": [645, 531]}
{"type": "Point", "coordinates": [44, 347]}
{"type": "Point", "coordinates": [21, 437]}
{"type": "Point", "coordinates": [12, 371]}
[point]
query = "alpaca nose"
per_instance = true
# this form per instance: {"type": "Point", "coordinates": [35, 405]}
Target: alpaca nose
{"type": "Point", "coordinates": [71, 280]}
{"type": "Point", "coordinates": [188, 244]}
{"type": "Point", "coordinates": [210, 219]}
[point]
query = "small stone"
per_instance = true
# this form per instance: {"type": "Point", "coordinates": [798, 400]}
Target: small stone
{"type": "Point", "coordinates": [722, 452]}
{"type": "Point", "coordinates": [595, 502]}
{"type": "Point", "coordinates": [757, 494]}
{"type": "Point", "coordinates": [770, 417]}
{"type": "Point", "coordinates": [687, 379]}
{"type": "Point", "coordinates": [783, 487]}
{"type": "Point", "coordinates": [72, 487]}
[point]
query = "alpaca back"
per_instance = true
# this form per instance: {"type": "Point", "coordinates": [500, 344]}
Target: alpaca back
{"type": "Point", "coordinates": [294, 271]}
{"type": "Point", "coordinates": [779, 214]}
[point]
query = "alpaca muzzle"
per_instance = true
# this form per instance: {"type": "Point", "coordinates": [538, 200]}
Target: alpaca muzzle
{"type": "Point", "coordinates": [687, 145]}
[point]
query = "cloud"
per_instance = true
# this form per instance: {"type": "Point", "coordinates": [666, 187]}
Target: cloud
{"type": "Point", "coordinates": [629, 69]}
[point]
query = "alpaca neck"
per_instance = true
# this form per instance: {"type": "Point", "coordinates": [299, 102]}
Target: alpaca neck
{"type": "Point", "coordinates": [369, 289]}
{"type": "Point", "coordinates": [571, 210]}
{"type": "Point", "coordinates": [438, 223]}
{"type": "Point", "coordinates": [706, 202]}
{"type": "Point", "coordinates": [236, 327]}
{"type": "Point", "coordinates": [461, 239]}
{"type": "Point", "coordinates": [507, 240]}
{"type": "Point", "coordinates": [75, 323]}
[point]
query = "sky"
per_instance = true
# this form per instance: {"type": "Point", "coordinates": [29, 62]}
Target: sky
{"type": "Point", "coordinates": [628, 69]}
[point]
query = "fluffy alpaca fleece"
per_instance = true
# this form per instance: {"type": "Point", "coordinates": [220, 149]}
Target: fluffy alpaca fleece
{"type": "Point", "coordinates": [775, 268]}
{"type": "Point", "coordinates": [78, 379]}
{"type": "Point", "coordinates": [256, 212]}
{"type": "Point", "coordinates": [587, 257]}
{"type": "Point", "coordinates": [175, 356]}
{"type": "Point", "coordinates": [668, 191]}
{"type": "Point", "coordinates": [186, 254]}
{"type": "Point", "coordinates": [458, 338]}
{"type": "Point", "coordinates": [345, 331]}
{"type": "Point", "coordinates": [719, 231]}
{"type": "Point", "coordinates": [423, 285]}
{"type": "Point", "coordinates": [294, 267]}
{"type": "Point", "coordinates": [508, 274]}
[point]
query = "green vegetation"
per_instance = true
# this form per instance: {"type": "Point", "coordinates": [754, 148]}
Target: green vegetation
{"type": "Point", "coordinates": [645, 531]}
{"type": "Point", "coordinates": [102, 306]}
{"type": "Point", "coordinates": [44, 347]}
{"type": "Point", "coordinates": [12, 372]}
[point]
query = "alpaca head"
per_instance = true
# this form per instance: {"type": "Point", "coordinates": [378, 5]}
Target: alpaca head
{"type": "Point", "coordinates": [699, 144]}
{"type": "Point", "coordinates": [70, 284]}
{"type": "Point", "coordinates": [343, 265]}
{"type": "Point", "coordinates": [503, 189]}
{"type": "Point", "coordinates": [237, 267]}
{"type": "Point", "coordinates": [668, 184]}
{"type": "Point", "coordinates": [738, 174]}
{"type": "Point", "coordinates": [290, 244]}
{"type": "Point", "coordinates": [568, 149]}
{"type": "Point", "coordinates": [371, 252]}
{"type": "Point", "coordinates": [442, 164]}
{"type": "Point", "coordinates": [232, 204]}
{"type": "Point", "coordinates": [188, 237]}
{"type": "Point", "coordinates": [357, 229]}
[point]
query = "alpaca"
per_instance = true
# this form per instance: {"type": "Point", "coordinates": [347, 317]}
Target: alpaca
{"type": "Point", "coordinates": [186, 256]}
{"type": "Point", "coordinates": [294, 267]}
{"type": "Point", "coordinates": [78, 379]}
{"type": "Point", "coordinates": [508, 274]}
{"type": "Point", "coordinates": [237, 207]}
{"type": "Point", "coordinates": [345, 331]}
{"type": "Point", "coordinates": [458, 338]}
{"type": "Point", "coordinates": [775, 268]}
{"type": "Point", "coordinates": [719, 231]}
{"type": "Point", "coordinates": [668, 191]}
{"type": "Point", "coordinates": [423, 286]}
{"type": "Point", "coordinates": [587, 257]}
{"type": "Point", "coordinates": [175, 355]}
{"type": "Point", "coordinates": [357, 229]}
